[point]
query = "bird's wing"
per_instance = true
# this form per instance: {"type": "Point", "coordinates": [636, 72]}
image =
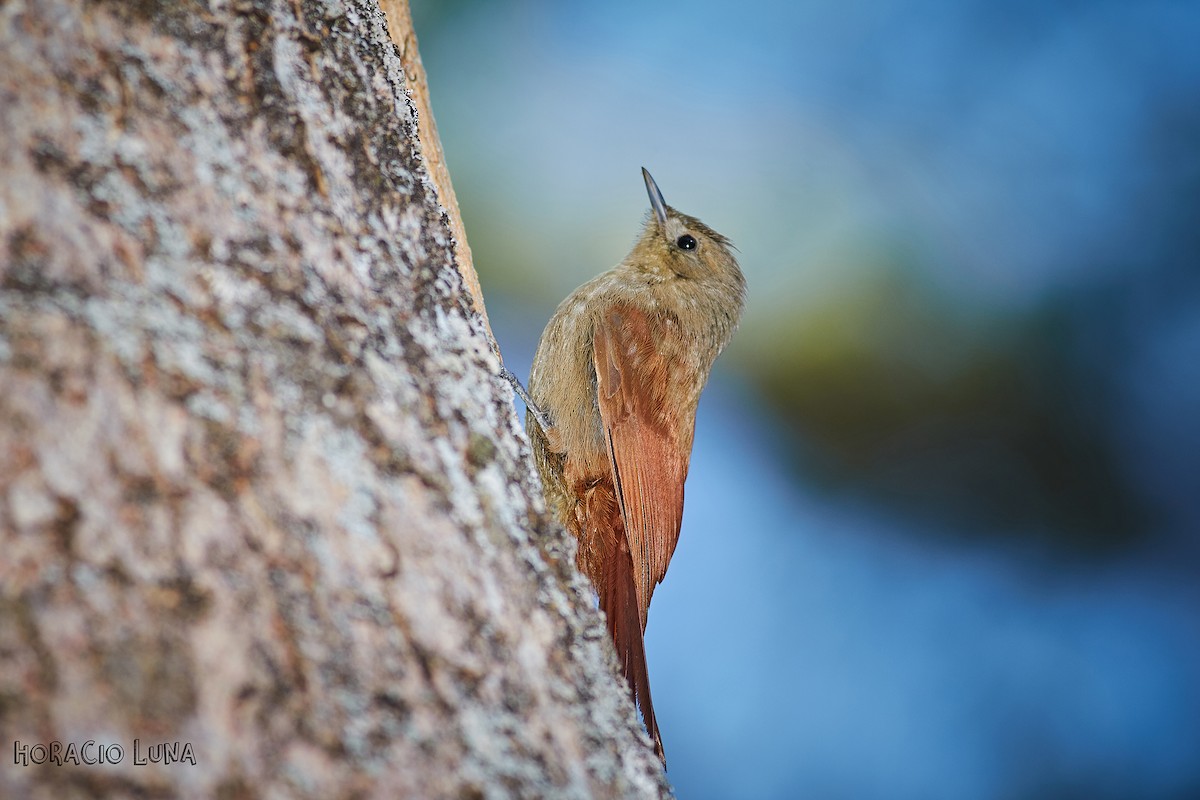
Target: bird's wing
{"type": "Point", "coordinates": [648, 447]}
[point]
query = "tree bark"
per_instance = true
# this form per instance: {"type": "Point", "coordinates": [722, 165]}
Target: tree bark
{"type": "Point", "coordinates": [261, 492]}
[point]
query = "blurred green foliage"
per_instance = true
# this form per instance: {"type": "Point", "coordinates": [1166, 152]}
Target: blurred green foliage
{"type": "Point", "coordinates": [989, 425]}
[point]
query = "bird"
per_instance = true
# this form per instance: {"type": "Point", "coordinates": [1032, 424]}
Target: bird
{"type": "Point", "coordinates": [611, 409]}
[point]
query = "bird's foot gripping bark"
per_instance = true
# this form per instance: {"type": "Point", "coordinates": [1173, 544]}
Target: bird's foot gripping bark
{"type": "Point", "coordinates": [543, 420]}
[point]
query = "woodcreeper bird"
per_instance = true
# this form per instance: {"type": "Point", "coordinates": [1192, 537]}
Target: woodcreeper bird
{"type": "Point", "coordinates": [612, 406]}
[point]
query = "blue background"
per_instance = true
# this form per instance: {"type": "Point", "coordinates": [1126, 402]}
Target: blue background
{"type": "Point", "coordinates": [942, 532]}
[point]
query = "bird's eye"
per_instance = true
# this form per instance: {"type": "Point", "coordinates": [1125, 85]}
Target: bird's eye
{"type": "Point", "coordinates": [686, 242]}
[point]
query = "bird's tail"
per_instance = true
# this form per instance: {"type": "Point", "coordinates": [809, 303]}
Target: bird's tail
{"type": "Point", "coordinates": [619, 601]}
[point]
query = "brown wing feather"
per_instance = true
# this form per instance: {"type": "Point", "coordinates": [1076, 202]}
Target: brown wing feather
{"type": "Point", "coordinates": [648, 449]}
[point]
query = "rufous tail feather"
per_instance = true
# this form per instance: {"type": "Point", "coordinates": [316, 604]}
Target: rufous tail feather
{"type": "Point", "coordinates": [619, 602]}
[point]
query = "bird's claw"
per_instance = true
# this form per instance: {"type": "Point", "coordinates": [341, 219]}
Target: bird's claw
{"type": "Point", "coordinates": [543, 420]}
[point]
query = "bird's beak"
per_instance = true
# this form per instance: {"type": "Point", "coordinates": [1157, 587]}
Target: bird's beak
{"type": "Point", "coordinates": [656, 199]}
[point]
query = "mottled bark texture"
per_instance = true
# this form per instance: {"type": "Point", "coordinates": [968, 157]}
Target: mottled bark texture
{"type": "Point", "coordinates": [260, 490]}
{"type": "Point", "coordinates": [399, 20]}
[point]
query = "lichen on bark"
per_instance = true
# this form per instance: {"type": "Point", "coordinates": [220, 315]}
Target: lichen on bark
{"type": "Point", "coordinates": [260, 489]}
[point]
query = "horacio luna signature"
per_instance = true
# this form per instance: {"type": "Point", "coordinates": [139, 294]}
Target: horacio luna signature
{"type": "Point", "coordinates": [93, 752]}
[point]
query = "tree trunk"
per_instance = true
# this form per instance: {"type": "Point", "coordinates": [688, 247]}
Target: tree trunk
{"type": "Point", "coordinates": [261, 493]}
